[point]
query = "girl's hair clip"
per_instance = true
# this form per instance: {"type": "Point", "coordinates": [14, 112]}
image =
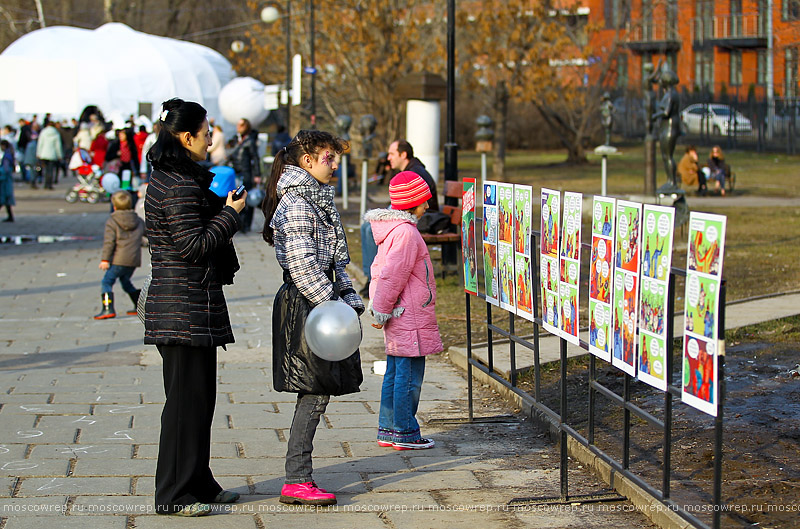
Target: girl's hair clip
{"type": "Point", "coordinates": [163, 115]}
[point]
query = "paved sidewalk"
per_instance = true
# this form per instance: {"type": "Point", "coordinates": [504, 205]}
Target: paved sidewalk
{"type": "Point", "coordinates": [80, 403]}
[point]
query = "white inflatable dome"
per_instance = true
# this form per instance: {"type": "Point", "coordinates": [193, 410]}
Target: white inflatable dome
{"type": "Point", "coordinates": [63, 69]}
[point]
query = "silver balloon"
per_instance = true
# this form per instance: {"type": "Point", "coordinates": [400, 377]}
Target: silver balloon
{"type": "Point", "coordinates": [333, 330]}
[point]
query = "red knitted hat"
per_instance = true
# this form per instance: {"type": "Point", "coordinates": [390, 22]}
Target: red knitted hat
{"type": "Point", "coordinates": [408, 190]}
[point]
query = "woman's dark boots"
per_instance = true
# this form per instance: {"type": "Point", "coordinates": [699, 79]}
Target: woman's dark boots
{"type": "Point", "coordinates": [108, 307]}
{"type": "Point", "coordinates": [135, 298]}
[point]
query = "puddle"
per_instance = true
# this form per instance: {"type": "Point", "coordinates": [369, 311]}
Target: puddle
{"type": "Point", "coordinates": [41, 239]}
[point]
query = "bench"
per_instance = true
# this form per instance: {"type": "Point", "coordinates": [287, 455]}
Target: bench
{"type": "Point", "coordinates": [449, 241]}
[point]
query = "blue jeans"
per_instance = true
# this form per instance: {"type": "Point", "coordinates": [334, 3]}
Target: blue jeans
{"type": "Point", "coordinates": [402, 384]}
{"type": "Point", "coordinates": [301, 437]}
{"type": "Point", "coordinates": [368, 249]}
{"type": "Point", "coordinates": [123, 273]}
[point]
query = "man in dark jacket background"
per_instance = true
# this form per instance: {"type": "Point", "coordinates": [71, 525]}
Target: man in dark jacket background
{"type": "Point", "coordinates": [244, 158]}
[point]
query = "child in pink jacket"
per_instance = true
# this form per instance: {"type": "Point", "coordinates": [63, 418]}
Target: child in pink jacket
{"type": "Point", "coordinates": [403, 299]}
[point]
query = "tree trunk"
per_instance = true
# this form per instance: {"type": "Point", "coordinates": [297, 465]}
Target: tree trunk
{"type": "Point", "coordinates": [501, 98]}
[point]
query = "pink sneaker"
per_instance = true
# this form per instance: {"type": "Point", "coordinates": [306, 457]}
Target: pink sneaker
{"type": "Point", "coordinates": [307, 494]}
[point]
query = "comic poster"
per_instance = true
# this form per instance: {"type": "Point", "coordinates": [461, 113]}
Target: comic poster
{"type": "Point", "coordinates": [570, 266]}
{"type": "Point", "coordinates": [625, 295]}
{"type": "Point", "coordinates": [505, 263]}
{"type": "Point", "coordinates": [522, 250]}
{"type": "Point", "coordinates": [468, 241]}
{"type": "Point", "coordinates": [505, 245]}
{"type": "Point", "coordinates": [600, 275]}
{"type": "Point", "coordinates": [701, 343]}
{"type": "Point", "coordinates": [490, 242]}
{"type": "Point", "coordinates": [656, 264]}
{"type": "Point", "coordinates": [549, 271]}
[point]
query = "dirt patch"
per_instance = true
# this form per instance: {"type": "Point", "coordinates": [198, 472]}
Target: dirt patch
{"type": "Point", "coordinates": [761, 434]}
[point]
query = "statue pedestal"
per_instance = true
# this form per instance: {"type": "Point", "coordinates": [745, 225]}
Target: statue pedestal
{"type": "Point", "coordinates": [649, 165]}
{"type": "Point", "coordinates": [671, 195]}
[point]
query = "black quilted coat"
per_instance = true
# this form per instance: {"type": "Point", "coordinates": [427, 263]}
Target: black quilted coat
{"type": "Point", "coordinates": [190, 231]}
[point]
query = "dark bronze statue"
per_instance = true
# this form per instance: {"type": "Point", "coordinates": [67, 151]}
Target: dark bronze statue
{"type": "Point", "coordinates": [668, 112]}
{"type": "Point", "coordinates": [607, 116]}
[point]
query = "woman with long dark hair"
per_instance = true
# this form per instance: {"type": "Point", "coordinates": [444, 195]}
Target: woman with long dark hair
{"type": "Point", "coordinates": [304, 226]}
{"type": "Point", "coordinates": [186, 317]}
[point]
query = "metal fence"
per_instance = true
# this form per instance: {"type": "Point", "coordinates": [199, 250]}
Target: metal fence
{"type": "Point", "coordinates": [735, 120]}
{"type": "Point", "coordinates": [557, 420]}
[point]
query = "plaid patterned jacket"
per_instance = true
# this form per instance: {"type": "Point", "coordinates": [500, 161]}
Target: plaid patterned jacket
{"type": "Point", "coordinates": [305, 243]}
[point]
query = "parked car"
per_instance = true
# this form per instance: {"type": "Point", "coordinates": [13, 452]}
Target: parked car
{"type": "Point", "coordinates": [715, 119]}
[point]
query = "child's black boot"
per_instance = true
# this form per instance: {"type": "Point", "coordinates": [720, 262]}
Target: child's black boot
{"type": "Point", "coordinates": [108, 307]}
{"type": "Point", "coordinates": [135, 298]}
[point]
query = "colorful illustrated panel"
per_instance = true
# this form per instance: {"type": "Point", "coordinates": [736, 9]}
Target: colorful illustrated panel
{"type": "Point", "coordinates": [522, 219]}
{"type": "Point", "coordinates": [599, 329]}
{"type": "Point", "coordinates": [490, 212]}
{"type": "Point", "coordinates": [623, 348]}
{"type": "Point", "coordinates": [706, 243]}
{"type": "Point", "coordinates": [571, 226]}
{"type": "Point", "coordinates": [653, 307]}
{"type": "Point", "coordinates": [652, 367]}
{"type": "Point", "coordinates": [706, 250]}
{"type": "Point", "coordinates": [468, 241]}
{"type": "Point", "coordinates": [600, 270]}
{"type": "Point", "coordinates": [702, 298]}
{"type": "Point", "coordinates": [505, 266]}
{"type": "Point", "coordinates": [603, 216]}
{"type": "Point", "coordinates": [524, 285]}
{"type": "Point", "coordinates": [505, 213]}
{"type": "Point", "coordinates": [568, 308]}
{"type": "Point", "coordinates": [551, 212]}
{"type": "Point", "coordinates": [490, 273]}
{"type": "Point", "coordinates": [657, 241]}
{"type": "Point", "coordinates": [628, 236]}
{"type": "Point", "coordinates": [700, 374]}
{"type": "Point", "coordinates": [548, 276]}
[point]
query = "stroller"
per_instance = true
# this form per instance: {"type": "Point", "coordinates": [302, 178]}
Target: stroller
{"type": "Point", "coordinates": [88, 188]}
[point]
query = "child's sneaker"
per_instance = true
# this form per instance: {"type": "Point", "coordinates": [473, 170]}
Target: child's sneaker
{"type": "Point", "coordinates": [419, 444]}
{"type": "Point", "coordinates": [383, 443]}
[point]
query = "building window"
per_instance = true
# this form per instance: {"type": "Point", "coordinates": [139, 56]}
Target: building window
{"type": "Point", "coordinates": [736, 68]}
{"type": "Point", "coordinates": [761, 67]}
{"type": "Point", "coordinates": [704, 28]}
{"type": "Point", "coordinates": [791, 10]}
{"type": "Point", "coordinates": [736, 18]}
{"type": "Point", "coordinates": [704, 71]}
{"type": "Point", "coordinates": [622, 70]}
{"type": "Point", "coordinates": [672, 20]}
{"type": "Point", "coordinates": [791, 72]}
{"type": "Point", "coordinates": [617, 13]}
{"type": "Point", "coordinates": [672, 61]}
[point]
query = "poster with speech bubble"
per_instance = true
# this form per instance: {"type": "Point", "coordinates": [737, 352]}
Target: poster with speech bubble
{"type": "Point", "coordinates": [625, 294]}
{"type": "Point", "coordinates": [600, 276]}
{"type": "Point", "coordinates": [490, 276]}
{"type": "Point", "coordinates": [570, 266]}
{"type": "Point", "coordinates": [523, 197]}
{"type": "Point", "coordinates": [657, 240]}
{"type": "Point", "coordinates": [549, 249]}
{"type": "Point", "coordinates": [701, 340]}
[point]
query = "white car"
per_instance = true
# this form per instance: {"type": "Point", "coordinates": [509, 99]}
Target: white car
{"type": "Point", "coordinates": [714, 119]}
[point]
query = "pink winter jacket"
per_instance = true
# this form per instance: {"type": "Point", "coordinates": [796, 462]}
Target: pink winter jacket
{"type": "Point", "coordinates": [403, 284]}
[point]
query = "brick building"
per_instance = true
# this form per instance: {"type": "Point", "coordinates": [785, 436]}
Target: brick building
{"type": "Point", "coordinates": [714, 45]}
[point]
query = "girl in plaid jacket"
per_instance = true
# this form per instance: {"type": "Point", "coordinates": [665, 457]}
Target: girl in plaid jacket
{"type": "Point", "coordinates": [304, 226]}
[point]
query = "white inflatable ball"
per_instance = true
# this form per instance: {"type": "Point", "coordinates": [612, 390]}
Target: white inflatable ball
{"type": "Point", "coordinates": [243, 97]}
{"type": "Point", "coordinates": [333, 330]}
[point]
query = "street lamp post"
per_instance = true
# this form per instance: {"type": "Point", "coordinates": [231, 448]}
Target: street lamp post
{"type": "Point", "coordinates": [313, 69]}
{"type": "Point", "coordinates": [451, 148]}
{"type": "Point", "coordinates": [269, 15]}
